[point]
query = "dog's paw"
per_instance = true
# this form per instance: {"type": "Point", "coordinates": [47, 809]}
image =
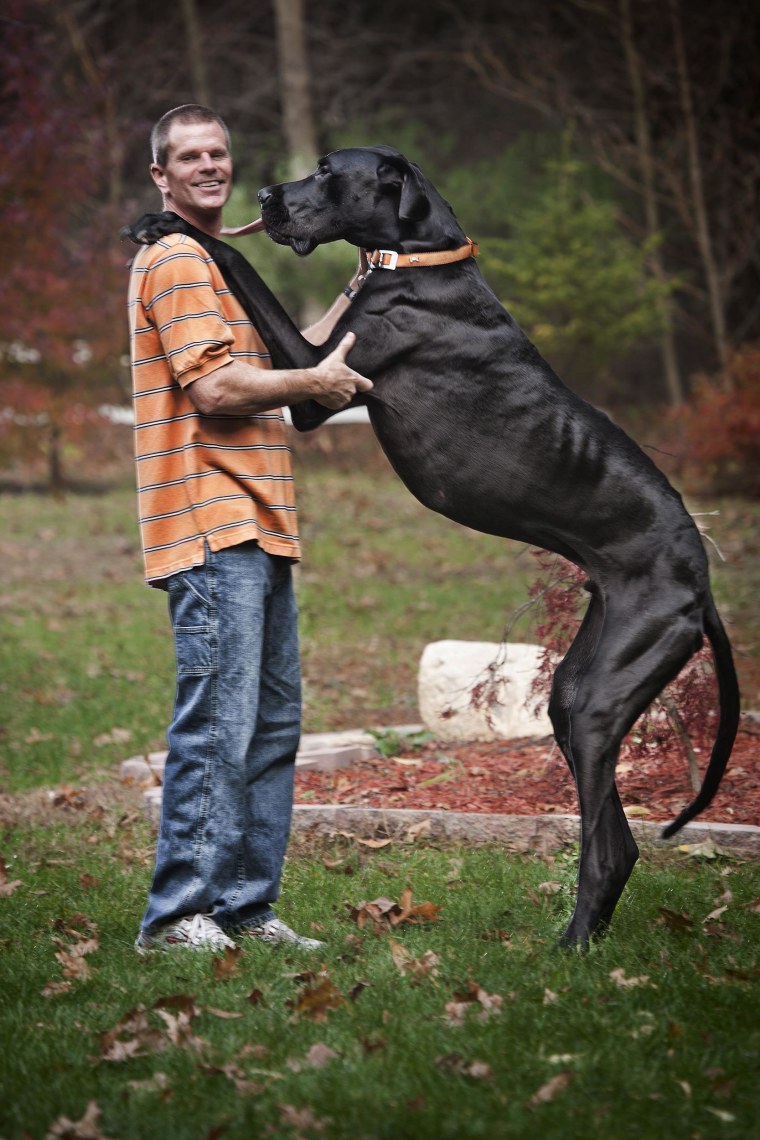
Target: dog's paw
{"type": "Point", "coordinates": [150, 227]}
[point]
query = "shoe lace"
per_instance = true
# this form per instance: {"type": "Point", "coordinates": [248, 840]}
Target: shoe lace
{"type": "Point", "coordinates": [201, 929]}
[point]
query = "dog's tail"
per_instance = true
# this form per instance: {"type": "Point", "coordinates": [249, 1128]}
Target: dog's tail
{"type": "Point", "coordinates": [728, 688]}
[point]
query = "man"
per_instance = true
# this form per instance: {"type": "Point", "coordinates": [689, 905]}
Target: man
{"type": "Point", "coordinates": [219, 533]}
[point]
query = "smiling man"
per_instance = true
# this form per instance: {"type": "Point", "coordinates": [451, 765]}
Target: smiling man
{"type": "Point", "coordinates": [219, 534]}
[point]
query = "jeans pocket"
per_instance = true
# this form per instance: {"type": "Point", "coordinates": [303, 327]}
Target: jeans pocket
{"type": "Point", "coordinates": [190, 607]}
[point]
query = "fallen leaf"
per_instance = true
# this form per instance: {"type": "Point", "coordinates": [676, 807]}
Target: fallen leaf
{"type": "Point", "coordinates": [474, 998]}
{"type": "Point", "coordinates": [302, 1119]}
{"type": "Point", "coordinates": [726, 1117]}
{"type": "Point", "coordinates": [714, 915]}
{"type": "Point", "coordinates": [7, 887]}
{"type": "Point", "coordinates": [619, 978]}
{"type": "Point", "coordinates": [54, 989]}
{"type": "Point", "coordinates": [159, 1082]}
{"type": "Point", "coordinates": [552, 1089]}
{"type": "Point", "coordinates": [636, 810]}
{"type": "Point", "coordinates": [315, 1001]}
{"type": "Point", "coordinates": [115, 736]}
{"type": "Point", "coordinates": [374, 844]}
{"type": "Point", "coordinates": [227, 965]}
{"type": "Point", "coordinates": [223, 1014]}
{"type": "Point", "coordinates": [417, 830]}
{"type": "Point", "coordinates": [318, 1057]}
{"type": "Point", "coordinates": [244, 1086]}
{"type": "Point", "coordinates": [675, 921]}
{"type": "Point", "coordinates": [549, 888]}
{"type": "Point", "coordinates": [256, 997]}
{"type": "Point", "coordinates": [456, 1063]}
{"type": "Point", "coordinates": [85, 1129]}
{"type": "Point", "coordinates": [425, 966]}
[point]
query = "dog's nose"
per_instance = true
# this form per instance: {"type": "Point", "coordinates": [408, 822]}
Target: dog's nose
{"type": "Point", "coordinates": [264, 196]}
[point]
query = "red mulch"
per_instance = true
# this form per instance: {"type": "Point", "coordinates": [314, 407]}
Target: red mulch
{"type": "Point", "coordinates": [528, 778]}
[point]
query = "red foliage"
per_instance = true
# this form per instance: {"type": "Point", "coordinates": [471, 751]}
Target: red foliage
{"type": "Point", "coordinates": [683, 714]}
{"type": "Point", "coordinates": [62, 291]}
{"type": "Point", "coordinates": [719, 428]}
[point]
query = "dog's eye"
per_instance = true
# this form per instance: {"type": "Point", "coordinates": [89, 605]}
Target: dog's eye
{"type": "Point", "coordinates": [321, 172]}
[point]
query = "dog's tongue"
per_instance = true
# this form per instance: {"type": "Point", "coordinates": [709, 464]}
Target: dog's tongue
{"type": "Point", "coordinates": [252, 228]}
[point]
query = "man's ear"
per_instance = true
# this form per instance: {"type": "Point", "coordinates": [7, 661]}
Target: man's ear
{"type": "Point", "coordinates": [414, 203]}
{"type": "Point", "coordinates": [158, 175]}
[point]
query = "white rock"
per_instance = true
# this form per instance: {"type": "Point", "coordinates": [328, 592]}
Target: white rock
{"type": "Point", "coordinates": [477, 690]}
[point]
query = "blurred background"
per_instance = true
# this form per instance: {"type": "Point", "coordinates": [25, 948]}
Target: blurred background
{"type": "Point", "coordinates": [605, 154]}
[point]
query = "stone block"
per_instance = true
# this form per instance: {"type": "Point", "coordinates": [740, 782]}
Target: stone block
{"type": "Point", "coordinates": [477, 691]}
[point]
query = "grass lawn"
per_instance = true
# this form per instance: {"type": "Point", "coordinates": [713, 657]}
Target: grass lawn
{"type": "Point", "coordinates": [467, 1026]}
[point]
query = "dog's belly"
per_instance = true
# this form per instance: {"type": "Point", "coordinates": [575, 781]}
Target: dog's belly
{"type": "Point", "coordinates": [551, 472]}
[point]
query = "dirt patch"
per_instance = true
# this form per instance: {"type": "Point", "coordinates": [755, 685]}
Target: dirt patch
{"type": "Point", "coordinates": [529, 778]}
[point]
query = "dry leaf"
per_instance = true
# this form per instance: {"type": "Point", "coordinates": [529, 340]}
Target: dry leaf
{"type": "Point", "coordinates": [619, 978]}
{"type": "Point", "coordinates": [159, 1082]}
{"type": "Point", "coordinates": [243, 1085]}
{"type": "Point", "coordinates": [223, 1014]}
{"type": "Point", "coordinates": [549, 888]}
{"type": "Point", "coordinates": [726, 1117]}
{"type": "Point", "coordinates": [85, 1129]}
{"type": "Point", "coordinates": [714, 915]}
{"type": "Point", "coordinates": [375, 844]}
{"type": "Point", "coordinates": [456, 1063]}
{"type": "Point", "coordinates": [552, 1089]}
{"type": "Point", "coordinates": [302, 1119]}
{"type": "Point", "coordinates": [474, 998]}
{"type": "Point", "coordinates": [315, 1001]}
{"type": "Point", "coordinates": [417, 968]}
{"type": "Point", "coordinates": [7, 887]}
{"type": "Point", "coordinates": [53, 989]}
{"type": "Point", "coordinates": [318, 1057]}
{"type": "Point", "coordinates": [227, 965]}
{"type": "Point", "coordinates": [675, 921]}
{"type": "Point", "coordinates": [417, 830]}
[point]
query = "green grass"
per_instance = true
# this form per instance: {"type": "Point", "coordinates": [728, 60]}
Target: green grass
{"type": "Point", "coordinates": [86, 647]}
{"type": "Point", "coordinates": [86, 650]}
{"type": "Point", "coordinates": [655, 1059]}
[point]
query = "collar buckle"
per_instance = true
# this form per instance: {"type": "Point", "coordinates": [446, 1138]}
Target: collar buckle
{"type": "Point", "coordinates": [392, 261]}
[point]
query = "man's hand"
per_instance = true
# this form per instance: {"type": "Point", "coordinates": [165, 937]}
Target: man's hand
{"type": "Point", "coordinates": [337, 384]}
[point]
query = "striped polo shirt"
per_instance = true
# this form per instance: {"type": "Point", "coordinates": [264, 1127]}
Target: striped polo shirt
{"type": "Point", "coordinates": [201, 479]}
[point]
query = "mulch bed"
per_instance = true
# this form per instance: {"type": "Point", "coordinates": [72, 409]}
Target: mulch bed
{"type": "Point", "coordinates": [530, 778]}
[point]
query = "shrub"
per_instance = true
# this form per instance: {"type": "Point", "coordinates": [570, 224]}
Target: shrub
{"type": "Point", "coordinates": [719, 429]}
{"type": "Point", "coordinates": [685, 708]}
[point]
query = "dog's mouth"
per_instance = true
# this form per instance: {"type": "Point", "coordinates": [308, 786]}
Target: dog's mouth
{"type": "Point", "coordinates": [302, 246]}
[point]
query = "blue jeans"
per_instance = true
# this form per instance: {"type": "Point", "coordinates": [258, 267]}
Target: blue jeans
{"type": "Point", "coordinates": [228, 785]}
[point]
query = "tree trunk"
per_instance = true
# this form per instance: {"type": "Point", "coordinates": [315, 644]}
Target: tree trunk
{"type": "Point", "coordinates": [195, 51]}
{"type": "Point", "coordinates": [297, 112]}
{"type": "Point", "coordinates": [704, 240]}
{"type": "Point", "coordinates": [651, 207]}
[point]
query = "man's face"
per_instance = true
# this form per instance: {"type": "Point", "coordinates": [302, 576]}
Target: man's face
{"type": "Point", "coordinates": [197, 179]}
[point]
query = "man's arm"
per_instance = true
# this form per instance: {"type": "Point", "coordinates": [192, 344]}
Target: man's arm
{"type": "Point", "coordinates": [239, 389]}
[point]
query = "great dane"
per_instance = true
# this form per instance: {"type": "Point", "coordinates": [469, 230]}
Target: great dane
{"type": "Point", "coordinates": [481, 429]}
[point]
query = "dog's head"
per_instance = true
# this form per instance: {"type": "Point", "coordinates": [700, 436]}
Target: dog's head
{"type": "Point", "coordinates": [369, 196]}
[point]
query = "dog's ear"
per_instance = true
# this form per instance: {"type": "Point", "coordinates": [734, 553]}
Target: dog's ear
{"type": "Point", "coordinates": [399, 172]}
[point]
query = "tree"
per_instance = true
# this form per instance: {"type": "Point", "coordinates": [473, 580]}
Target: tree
{"type": "Point", "coordinates": [62, 322]}
{"type": "Point", "coordinates": [576, 283]}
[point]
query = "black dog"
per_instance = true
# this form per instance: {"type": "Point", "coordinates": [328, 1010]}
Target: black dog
{"type": "Point", "coordinates": [480, 429]}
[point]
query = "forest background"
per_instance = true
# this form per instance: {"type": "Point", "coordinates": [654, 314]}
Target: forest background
{"type": "Point", "coordinates": [605, 154]}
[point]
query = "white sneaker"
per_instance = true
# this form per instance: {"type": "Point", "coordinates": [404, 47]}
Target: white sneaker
{"type": "Point", "coordinates": [196, 932]}
{"type": "Point", "coordinates": [274, 930]}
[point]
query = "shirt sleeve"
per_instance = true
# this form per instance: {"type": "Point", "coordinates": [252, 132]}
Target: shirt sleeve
{"type": "Point", "coordinates": [181, 301]}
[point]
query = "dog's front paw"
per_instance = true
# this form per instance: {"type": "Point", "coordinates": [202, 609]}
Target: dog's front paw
{"type": "Point", "coordinates": [150, 227]}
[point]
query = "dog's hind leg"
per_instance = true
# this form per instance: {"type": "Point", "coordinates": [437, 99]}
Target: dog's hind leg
{"type": "Point", "coordinates": [640, 645]}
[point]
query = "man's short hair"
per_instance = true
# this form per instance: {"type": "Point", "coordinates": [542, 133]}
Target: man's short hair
{"type": "Point", "coordinates": [187, 113]}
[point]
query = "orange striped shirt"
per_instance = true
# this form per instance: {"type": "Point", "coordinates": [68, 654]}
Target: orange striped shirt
{"type": "Point", "coordinates": [201, 479]}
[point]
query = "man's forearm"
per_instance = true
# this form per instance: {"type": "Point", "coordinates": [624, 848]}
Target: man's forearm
{"type": "Point", "coordinates": [238, 389]}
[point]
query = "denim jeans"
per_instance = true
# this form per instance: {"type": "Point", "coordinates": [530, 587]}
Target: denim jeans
{"type": "Point", "coordinates": [228, 785]}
